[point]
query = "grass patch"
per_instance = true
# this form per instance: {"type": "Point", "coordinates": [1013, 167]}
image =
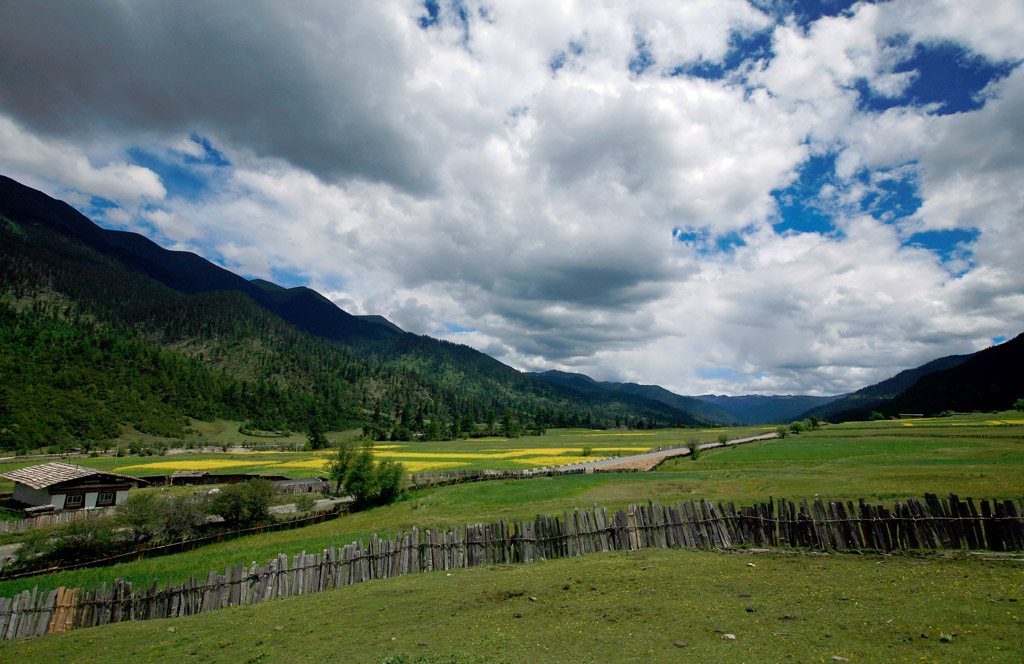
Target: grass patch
{"type": "Point", "coordinates": [608, 607]}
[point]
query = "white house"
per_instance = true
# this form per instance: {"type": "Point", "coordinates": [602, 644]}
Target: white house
{"type": "Point", "coordinates": [68, 487]}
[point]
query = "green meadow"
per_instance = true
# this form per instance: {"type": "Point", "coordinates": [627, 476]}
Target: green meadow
{"type": "Point", "coordinates": [691, 596]}
{"type": "Point", "coordinates": [646, 606]}
{"type": "Point", "coordinates": [558, 446]}
{"type": "Point", "coordinates": [976, 456]}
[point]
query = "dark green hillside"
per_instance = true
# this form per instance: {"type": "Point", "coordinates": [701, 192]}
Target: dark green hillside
{"type": "Point", "coordinates": [991, 379]}
{"type": "Point", "coordinates": [273, 345]}
{"type": "Point", "coordinates": [859, 405]}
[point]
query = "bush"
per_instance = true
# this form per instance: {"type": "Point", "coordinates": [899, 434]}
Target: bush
{"type": "Point", "coordinates": [79, 541]}
{"type": "Point", "coordinates": [244, 504]}
{"type": "Point", "coordinates": [182, 519]}
{"type": "Point", "coordinates": [781, 431]}
{"type": "Point", "coordinates": [587, 451]}
{"type": "Point", "coordinates": [373, 482]}
{"type": "Point", "coordinates": [143, 515]}
{"type": "Point", "coordinates": [305, 502]}
{"type": "Point", "coordinates": [875, 416]}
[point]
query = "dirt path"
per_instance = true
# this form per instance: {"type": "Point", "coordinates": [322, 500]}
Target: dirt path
{"type": "Point", "coordinates": [651, 460]}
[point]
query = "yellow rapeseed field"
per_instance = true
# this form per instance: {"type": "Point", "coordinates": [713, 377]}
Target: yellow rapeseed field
{"type": "Point", "coordinates": [200, 464]}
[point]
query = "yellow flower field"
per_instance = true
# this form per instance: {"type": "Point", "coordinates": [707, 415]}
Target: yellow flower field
{"type": "Point", "coordinates": [199, 464]}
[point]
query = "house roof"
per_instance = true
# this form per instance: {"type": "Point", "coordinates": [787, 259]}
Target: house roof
{"type": "Point", "coordinates": [55, 472]}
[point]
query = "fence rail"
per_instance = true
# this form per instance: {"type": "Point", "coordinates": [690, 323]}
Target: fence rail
{"type": "Point", "coordinates": [931, 523]}
{"type": "Point", "coordinates": [186, 545]}
{"type": "Point", "coordinates": [447, 478]}
{"type": "Point", "coordinates": [54, 519]}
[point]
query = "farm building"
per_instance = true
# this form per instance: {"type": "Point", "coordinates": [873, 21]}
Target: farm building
{"type": "Point", "coordinates": [68, 487]}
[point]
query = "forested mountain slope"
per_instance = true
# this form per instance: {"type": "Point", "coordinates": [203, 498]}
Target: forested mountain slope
{"type": "Point", "coordinates": [860, 404]}
{"type": "Point", "coordinates": [64, 278]}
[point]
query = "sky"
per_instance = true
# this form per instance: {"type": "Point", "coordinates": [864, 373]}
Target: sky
{"type": "Point", "coordinates": [716, 196]}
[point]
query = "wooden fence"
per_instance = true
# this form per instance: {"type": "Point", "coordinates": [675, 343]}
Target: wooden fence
{"type": "Point", "coordinates": [446, 478]}
{"type": "Point", "coordinates": [933, 523]}
{"type": "Point", "coordinates": [187, 545]}
{"type": "Point", "coordinates": [66, 516]}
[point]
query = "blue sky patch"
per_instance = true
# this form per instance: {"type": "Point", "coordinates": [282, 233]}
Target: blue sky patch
{"type": "Point", "coordinates": [946, 74]}
{"type": "Point", "coordinates": [559, 59]}
{"type": "Point", "coordinates": [455, 12]}
{"type": "Point", "coordinates": [642, 59]}
{"type": "Point", "coordinates": [453, 328]}
{"type": "Point", "coordinates": [212, 156]}
{"type": "Point", "coordinates": [742, 48]}
{"type": "Point", "coordinates": [798, 203]}
{"type": "Point", "coordinates": [177, 179]}
{"type": "Point", "coordinates": [998, 340]}
{"type": "Point", "coordinates": [704, 243]}
{"type": "Point", "coordinates": [715, 372]}
{"type": "Point", "coordinates": [891, 198]}
{"type": "Point", "coordinates": [433, 11]}
{"type": "Point", "coordinates": [948, 244]}
{"type": "Point", "coordinates": [729, 241]}
{"type": "Point", "coordinates": [803, 12]}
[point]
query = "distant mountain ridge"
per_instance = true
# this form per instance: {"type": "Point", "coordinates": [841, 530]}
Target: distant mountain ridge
{"type": "Point", "coordinates": [706, 412]}
{"type": "Point", "coordinates": [767, 409]}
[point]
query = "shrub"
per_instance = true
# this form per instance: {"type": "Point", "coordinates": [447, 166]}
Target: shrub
{"type": "Point", "coordinates": [244, 504]}
{"type": "Point", "coordinates": [373, 482]}
{"type": "Point", "coordinates": [305, 502]}
{"type": "Point", "coordinates": [182, 519]}
{"type": "Point", "coordinates": [143, 515]}
{"type": "Point", "coordinates": [79, 541]}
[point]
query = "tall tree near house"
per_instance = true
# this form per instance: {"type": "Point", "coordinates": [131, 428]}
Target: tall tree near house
{"type": "Point", "coordinates": [340, 462]}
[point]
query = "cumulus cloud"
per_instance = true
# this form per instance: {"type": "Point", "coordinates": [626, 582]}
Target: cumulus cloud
{"type": "Point", "coordinates": [56, 166]}
{"type": "Point", "coordinates": [557, 185]}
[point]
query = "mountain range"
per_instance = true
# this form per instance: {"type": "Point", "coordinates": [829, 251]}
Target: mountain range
{"type": "Point", "coordinates": [104, 329]}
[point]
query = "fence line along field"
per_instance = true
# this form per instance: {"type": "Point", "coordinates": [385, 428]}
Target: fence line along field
{"type": "Point", "coordinates": [932, 524]}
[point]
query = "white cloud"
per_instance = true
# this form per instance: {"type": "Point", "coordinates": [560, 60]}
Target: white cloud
{"type": "Point", "coordinates": [56, 165]}
{"type": "Point", "coordinates": [436, 179]}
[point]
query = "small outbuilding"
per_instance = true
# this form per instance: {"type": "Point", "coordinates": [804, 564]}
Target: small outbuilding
{"type": "Point", "coordinates": [66, 486]}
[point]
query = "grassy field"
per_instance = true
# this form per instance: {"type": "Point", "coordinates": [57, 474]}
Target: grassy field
{"type": "Point", "coordinates": [880, 462]}
{"type": "Point", "coordinates": [978, 456]}
{"type": "Point", "coordinates": [618, 607]}
{"type": "Point", "coordinates": [557, 447]}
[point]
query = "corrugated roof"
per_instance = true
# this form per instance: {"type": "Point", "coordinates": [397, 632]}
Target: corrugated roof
{"type": "Point", "coordinates": [54, 472]}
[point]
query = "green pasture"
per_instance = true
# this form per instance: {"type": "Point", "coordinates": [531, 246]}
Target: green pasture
{"type": "Point", "coordinates": [976, 455]}
{"type": "Point", "coordinates": [880, 462]}
{"type": "Point", "coordinates": [647, 606]}
{"type": "Point", "coordinates": [556, 447]}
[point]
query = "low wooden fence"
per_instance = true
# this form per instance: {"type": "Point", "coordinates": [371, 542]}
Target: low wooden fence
{"type": "Point", "coordinates": [446, 478]}
{"type": "Point", "coordinates": [187, 545]}
{"type": "Point", "coordinates": [57, 518]}
{"type": "Point", "coordinates": [933, 523]}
